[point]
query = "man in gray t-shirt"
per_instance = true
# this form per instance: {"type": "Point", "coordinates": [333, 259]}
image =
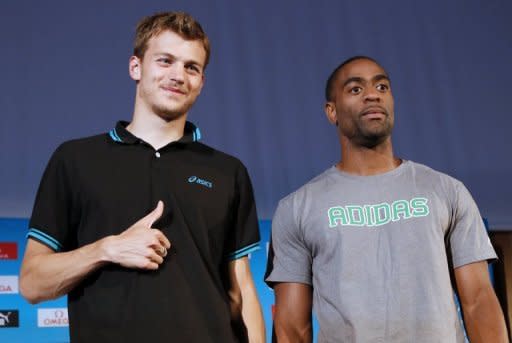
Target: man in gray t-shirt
{"type": "Point", "coordinates": [375, 243]}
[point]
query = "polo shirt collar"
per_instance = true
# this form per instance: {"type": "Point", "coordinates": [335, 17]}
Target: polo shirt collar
{"type": "Point", "coordinates": [120, 134]}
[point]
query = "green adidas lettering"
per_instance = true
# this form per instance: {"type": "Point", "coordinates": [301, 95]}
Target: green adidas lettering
{"type": "Point", "coordinates": [377, 214]}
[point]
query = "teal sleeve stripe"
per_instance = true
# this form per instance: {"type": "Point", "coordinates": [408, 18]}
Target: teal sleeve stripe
{"type": "Point", "coordinates": [44, 238]}
{"type": "Point", "coordinates": [244, 251]}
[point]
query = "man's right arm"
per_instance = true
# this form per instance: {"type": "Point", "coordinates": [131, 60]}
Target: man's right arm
{"type": "Point", "coordinates": [46, 274]}
{"type": "Point", "coordinates": [292, 317]}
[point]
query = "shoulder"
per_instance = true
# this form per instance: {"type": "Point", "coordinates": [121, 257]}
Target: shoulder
{"type": "Point", "coordinates": [79, 144]}
{"type": "Point", "coordinates": [73, 149]}
{"type": "Point", "coordinates": [68, 159]}
{"type": "Point", "coordinates": [421, 171]}
{"type": "Point", "coordinates": [310, 190]}
{"type": "Point", "coordinates": [445, 186]}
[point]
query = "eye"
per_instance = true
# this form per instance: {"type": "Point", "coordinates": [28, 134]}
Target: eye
{"type": "Point", "coordinates": [193, 68]}
{"type": "Point", "coordinates": [164, 60]}
{"type": "Point", "coordinates": [355, 90]}
{"type": "Point", "coordinates": [382, 87]}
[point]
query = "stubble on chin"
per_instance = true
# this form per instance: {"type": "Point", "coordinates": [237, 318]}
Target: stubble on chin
{"type": "Point", "coordinates": [371, 140]}
{"type": "Point", "coordinates": [371, 136]}
{"type": "Point", "coordinates": [170, 114]}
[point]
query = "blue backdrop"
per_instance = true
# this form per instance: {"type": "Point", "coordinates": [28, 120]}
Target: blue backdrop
{"type": "Point", "coordinates": [65, 74]}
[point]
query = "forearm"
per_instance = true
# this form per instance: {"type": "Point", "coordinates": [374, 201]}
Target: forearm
{"type": "Point", "coordinates": [484, 319]}
{"type": "Point", "coordinates": [292, 318]}
{"type": "Point", "coordinates": [287, 332]}
{"type": "Point", "coordinates": [47, 276]}
{"type": "Point", "coordinates": [245, 307]}
{"type": "Point", "coordinates": [252, 315]}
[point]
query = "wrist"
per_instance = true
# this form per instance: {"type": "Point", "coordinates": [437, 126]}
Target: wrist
{"type": "Point", "coordinates": [105, 249]}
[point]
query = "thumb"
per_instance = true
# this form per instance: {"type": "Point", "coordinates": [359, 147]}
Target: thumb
{"type": "Point", "coordinates": [153, 216]}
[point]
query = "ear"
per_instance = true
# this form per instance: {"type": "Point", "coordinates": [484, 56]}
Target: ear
{"type": "Point", "coordinates": [330, 112]}
{"type": "Point", "coordinates": [134, 68]}
{"type": "Point", "coordinates": [203, 80]}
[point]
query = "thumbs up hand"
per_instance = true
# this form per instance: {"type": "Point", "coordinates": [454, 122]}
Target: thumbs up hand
{"type": "Point", "coordinates": [141, 245]}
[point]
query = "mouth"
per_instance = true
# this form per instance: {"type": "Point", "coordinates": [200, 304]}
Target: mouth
{"type": "Point", "coordinates": [374, 113]}
{"type": "Point", "coordinates": [173, 90]}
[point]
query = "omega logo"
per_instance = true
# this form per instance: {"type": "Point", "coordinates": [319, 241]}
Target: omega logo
{"type": "Point", "coordinates": [58, 319]}
{"type": "Point", "coordinates": [4, 288]}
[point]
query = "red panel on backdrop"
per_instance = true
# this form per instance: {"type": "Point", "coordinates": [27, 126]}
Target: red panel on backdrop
{"type": "Point", "coordinates": [8, 251]}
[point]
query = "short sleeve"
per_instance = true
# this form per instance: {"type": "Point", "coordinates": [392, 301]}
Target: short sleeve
{"type": "Point", "coordinates": [469, 241]}
{"type": "Point", "coordinates": [245, 236]}
{"type": "Point", "coordinates": [51, 219]}
{"type": "Point", "coordinates": [289, 258]}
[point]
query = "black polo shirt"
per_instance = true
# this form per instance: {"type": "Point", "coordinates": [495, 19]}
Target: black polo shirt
{"type": "Point", "coordinates": [101, 185]}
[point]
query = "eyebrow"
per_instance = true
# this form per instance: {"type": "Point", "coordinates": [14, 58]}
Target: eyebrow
{"type": "Point", "coordinates": [380, 77]}
{"type": "Point", "coordinates": [358, 79]}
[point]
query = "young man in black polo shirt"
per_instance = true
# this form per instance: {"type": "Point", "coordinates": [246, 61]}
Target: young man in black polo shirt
{"type": "Point", "coordinates": [93, 229]}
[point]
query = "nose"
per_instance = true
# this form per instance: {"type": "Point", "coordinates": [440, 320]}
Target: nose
{"type": "Point", "coordinates": [177, 73]}
{"type": "Point", "coordinates": [371, 94]}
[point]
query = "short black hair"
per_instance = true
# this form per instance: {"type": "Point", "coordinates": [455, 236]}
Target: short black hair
{"type": "Point", "coordinates": [332, 78]}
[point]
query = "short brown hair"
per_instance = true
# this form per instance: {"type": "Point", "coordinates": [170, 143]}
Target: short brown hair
{"type": "Point", "coordinates": [180, 23]}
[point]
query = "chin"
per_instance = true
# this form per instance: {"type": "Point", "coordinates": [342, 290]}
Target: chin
{"type": "Point", "coordinates": [372, 140]}
{"type": "Point", "coordinates": [170, 114]}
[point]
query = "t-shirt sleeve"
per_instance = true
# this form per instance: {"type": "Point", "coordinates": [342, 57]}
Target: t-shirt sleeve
{"type": "Point", "coordinates": [51, 219]}
{"type": "Point", "coordinates": [469, 241]}
{"type": "Point", "coordinates": [245, 236]}
{"type": "Point", "coordinates": [289, 258]}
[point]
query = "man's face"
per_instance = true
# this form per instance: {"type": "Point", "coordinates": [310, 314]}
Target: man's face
{"type": "Point", "coordinates": [363, 105]}
{"type": "Point", "coordinates": [170, 75]}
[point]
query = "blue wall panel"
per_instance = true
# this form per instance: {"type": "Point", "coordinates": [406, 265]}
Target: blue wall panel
{"type": "Point", "coordinates": [14, 230]}
{"type": "Point", "coordinates": [65, 76]}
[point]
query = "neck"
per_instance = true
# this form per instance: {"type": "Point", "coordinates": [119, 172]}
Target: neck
{"type": "Point", "coordinates": [155, 130]}
{"type": "Point", "coordinates": [360, 160]}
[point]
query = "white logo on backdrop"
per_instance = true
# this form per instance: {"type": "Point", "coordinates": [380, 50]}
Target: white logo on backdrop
{"type": "Point", "coordinates": [4, 318]}
{"type": "Point", "coordinates": [8, 284]}
{"type": "Point", "coordinates": [52, 317]}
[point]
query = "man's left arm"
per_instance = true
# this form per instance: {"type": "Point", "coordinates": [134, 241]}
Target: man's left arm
{"type": "Point", "coordinates": [246, 311]}
{"type": "Point", "coordinates": [483, 316]}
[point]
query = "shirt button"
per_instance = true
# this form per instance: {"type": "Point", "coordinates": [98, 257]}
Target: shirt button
{"type": "Point", "coordinates": [157, 154]}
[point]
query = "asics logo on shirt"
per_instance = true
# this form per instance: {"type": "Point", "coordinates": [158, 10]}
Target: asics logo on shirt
{"type": "Point", "coordinates": [199, 181]}
{"type": "Point", "coordinates": [377, 214]}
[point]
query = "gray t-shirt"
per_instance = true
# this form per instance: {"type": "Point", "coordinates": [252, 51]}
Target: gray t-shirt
{"type": "Point", "coordinates": [378, 251]}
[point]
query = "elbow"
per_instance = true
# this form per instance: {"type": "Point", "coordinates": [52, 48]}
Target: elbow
{"type": "Point", "coordinates": [28, 291]}
{"type": "Point", "coordinates": [29, 295]}
{"type": "Point", "coordinates": [31, 300]}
